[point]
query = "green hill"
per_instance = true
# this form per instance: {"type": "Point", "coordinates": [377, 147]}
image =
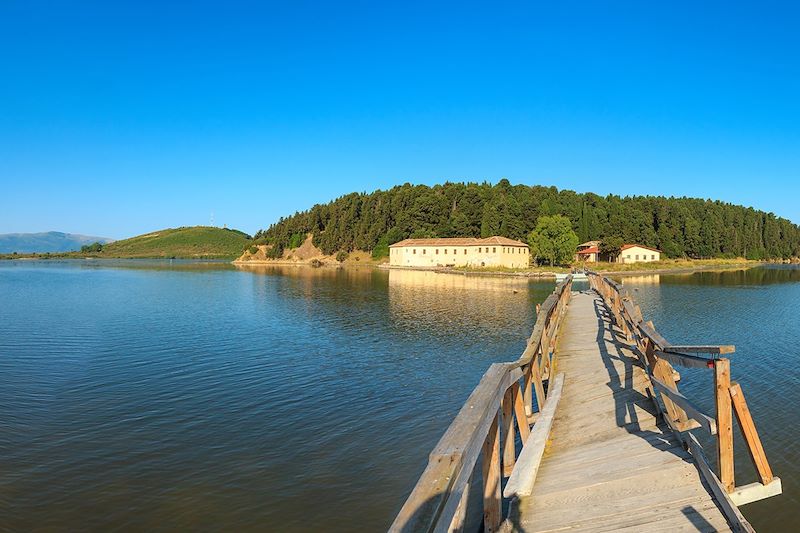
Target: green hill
{"type": "Point", "coordinates": [197, 242]}
{"type": "Point", "coordinates": [680, 227]}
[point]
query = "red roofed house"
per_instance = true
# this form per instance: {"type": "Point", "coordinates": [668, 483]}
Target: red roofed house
{"type": "Point", "coordinates": [588, 252]}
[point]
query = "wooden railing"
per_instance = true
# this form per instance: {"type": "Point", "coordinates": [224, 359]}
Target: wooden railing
{"type": "Point", "coordinates": [657, 357]}
{"type": "Point", "coordinates": [486, 427]}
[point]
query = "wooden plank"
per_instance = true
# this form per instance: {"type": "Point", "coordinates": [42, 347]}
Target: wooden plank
{"type": "Point", "coordinates": [524, 475]}
{"type": "Point", "coordinates": [721, 349]}
{"type": "Point", "coordinates": [536, 378]}
{"type": "Point", "coordinates": [478, 408]}
{"type": "Point", "coordinates": [423, 507]}
{"type": "Point", "coordinates": [708, 423]}
{"type": "Point", "coordinates": [732, 513]}
{"type": "Point", "coordinates": [528, 392]}
{"type": "Point", "coordinates": [662, 371]}
{"type": "Point", "coordinates": [509, 451]}
{"type": "Point", "coordinates": [756, 491]}
{"type": "Point", "coordinates": [458, 523]}
{"type": "Point", "coordinates": [685, 360]}
{"type": "Point", "coordinates": [520, 414]}
{"type": "Point", "coordinates": [751, 437]}
{"type": "Point", "coordinates": [722, 384]}
{"type": "Point", "coordinates": [647, 330]}
{"type": "Point", "coordinates": [491, 479]}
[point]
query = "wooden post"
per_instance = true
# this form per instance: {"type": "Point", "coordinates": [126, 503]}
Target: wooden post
{"type": "Point", "coordinates": [750, 435]}
{"type": "Point", "coordinates": [722, 384]}
{"type": "Point", "coordinates": [536, 377]}
{"type": "Point", "coordinates": [528, 392]}
{"type": "Point", "coordinates": [664, 372]}
{"type": "Point", "coordinates": [460, 517]}
{"type": "Point", "coordinates": [491, 479]}
{"type": "Point", "coordinates": [509, 451]}
{"type": "Point", "coordinates": [519, 412]}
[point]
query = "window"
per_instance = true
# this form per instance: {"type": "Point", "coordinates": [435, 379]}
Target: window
{"type": "Point", "coordinates": [479, 250]}
{"type": "Point", "coordinates": [415, 251]}
{"type": "Point", "coordinates": [455, 251]}
{"type": "Point", "coordinates": [437, 252]}
{"type": "Point", "coordinates": [494, 250]}
{"type": "Point", "coordinates": [445, 251]}
{"type": "Point", "coordinates": [637, 257]}
{"type": "Point", "coordinates": [465, 251]}
{"type": "Point", "coordinates": [653, 257]}
{"type": "Point", "coordinates": [423, 251]}
{"type": "Point", "coordinates": [628, 256]}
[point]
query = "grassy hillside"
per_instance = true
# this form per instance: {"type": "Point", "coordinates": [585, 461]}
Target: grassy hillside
{"type": "Point", "coordinates": [189, 242]}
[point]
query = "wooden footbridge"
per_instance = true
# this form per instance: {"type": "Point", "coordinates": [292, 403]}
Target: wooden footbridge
{"type": "Point", "coordinates": [587, 430]}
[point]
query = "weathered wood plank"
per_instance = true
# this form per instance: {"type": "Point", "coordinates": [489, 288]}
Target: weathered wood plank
{"type": "Point", "coordinates": [715, 349]}
{"type": "Point", "coordinates": [722, 385]}
{"type": "Point", "coordinates": [751, 437]}
{"type": "Point", "coordinates": [686, 360]}
{"type": "Point", "coordinates": [708, 423]}
{"type": "Point", "coordinates": [733, 514]}
{"type": "Point", "coordinates": [520, 414]}
{"type": "Point", "coordinates": [524, 476]}
{"type": "Point", "coordinates": [508, 435]}
{"type": "Point", "coordinates": [756, 491]}
{"type": "Point", "coordinates": [491, 479]}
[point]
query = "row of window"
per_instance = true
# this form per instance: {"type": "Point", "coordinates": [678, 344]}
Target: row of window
{"type": "Point", "coordinates": [480, 250]}
{"type": "Point", "coordinates": [644, 257]}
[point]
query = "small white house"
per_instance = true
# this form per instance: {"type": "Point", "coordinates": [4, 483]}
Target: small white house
{"type": "Point", "coordinates": [638, 253]}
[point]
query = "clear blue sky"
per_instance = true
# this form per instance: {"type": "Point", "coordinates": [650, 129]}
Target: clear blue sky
{"type": "Point", "coordinates": [119, 118]}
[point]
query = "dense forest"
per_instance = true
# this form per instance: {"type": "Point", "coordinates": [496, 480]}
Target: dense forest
{"type": "Point", "coordinates": [680, 227]}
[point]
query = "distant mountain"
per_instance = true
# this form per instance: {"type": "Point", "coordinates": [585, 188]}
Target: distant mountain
{"type": "Point", "coordinates": [51, 241]}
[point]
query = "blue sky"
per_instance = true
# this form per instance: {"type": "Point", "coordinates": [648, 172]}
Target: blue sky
{"type": "Point", "coordinates": [119, 118]}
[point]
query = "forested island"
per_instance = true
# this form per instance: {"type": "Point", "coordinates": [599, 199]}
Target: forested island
{"type": "Point", "coordinates": [679, 227]}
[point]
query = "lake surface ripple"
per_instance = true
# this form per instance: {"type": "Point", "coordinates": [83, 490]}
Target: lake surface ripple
{"type": "Point", "coordinates": [172, 396]}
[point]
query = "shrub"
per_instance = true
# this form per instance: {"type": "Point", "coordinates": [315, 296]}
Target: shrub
{"type": "Point", "coordinates": [275, 252]}
{"type": "Point", "coordinates": [253, 250]}
{"type": "Point", "coordinates": [92, 248]}
{"type": "Point", "coordinates": [296, 240]}
{"type": "Point", "coordinates": [342, 256]}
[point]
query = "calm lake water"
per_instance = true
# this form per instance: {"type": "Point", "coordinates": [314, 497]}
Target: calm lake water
{"type": "Point", "coordinates": [149, 395]}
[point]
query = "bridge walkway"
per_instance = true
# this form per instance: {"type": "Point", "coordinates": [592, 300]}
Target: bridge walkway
{"type": "Point", "coordinates": [610, 463]}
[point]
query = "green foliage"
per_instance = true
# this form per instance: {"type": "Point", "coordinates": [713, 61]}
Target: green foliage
{"type": "Point", "coordinates": [553, 239]}
{"type": "Point", "coordinates": [296, 240]}
{"type": "Point", "coordinates": [253, 250]}
{"type": "Point", "coordinates": [342, 256]}
{"type": "Point", "coordinates": [92, 248]}
{"type": "Point", "coordinates": [611, 247]}
{"type": "Point", "coordinates": [186, 242]}
{"type": "Point", "coordinates": [680, 227]}
{"type": "Point", "coordinates": [275, 251]}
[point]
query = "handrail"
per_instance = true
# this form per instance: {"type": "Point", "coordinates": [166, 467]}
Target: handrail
{"type": "Point", "coordinates": [657, 356]}
{"type": "Point", "coordinates": [502, 398]}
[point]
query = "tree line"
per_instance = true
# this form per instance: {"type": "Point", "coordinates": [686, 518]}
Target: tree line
{"type": "Point", "coordinates": [680, 227]}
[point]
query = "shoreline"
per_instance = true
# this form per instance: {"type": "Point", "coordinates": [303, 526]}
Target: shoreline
{"type": "Point", "coordinates": [545, 274]}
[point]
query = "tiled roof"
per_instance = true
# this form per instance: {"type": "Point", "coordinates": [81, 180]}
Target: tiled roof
{"type": "Point", "coordinates": [468, 241]}
{"type": "Point", "coordinates": [627, 246]}
{"type": "Point", "coordinates": [592, 250]}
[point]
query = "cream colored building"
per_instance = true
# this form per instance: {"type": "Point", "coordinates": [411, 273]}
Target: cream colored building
{"type": "Point", "coordinates": [489, 252]}
{"type": "Point", "coordinates": [637, 253]}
